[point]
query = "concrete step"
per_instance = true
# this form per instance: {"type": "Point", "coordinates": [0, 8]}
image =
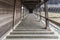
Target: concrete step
{"type": "Point", "coordinates": [32, 36]}
{"type": "Point", "coordinates": [31, 39]}
{"type": "Point", "coordinates": [32, 32]}
{"type": "Point", "coordinates": [25, 29]}
{"type": "Point", "coordinates": [30, 27]}
{"type": "Point", "coordinates": [29, 33]}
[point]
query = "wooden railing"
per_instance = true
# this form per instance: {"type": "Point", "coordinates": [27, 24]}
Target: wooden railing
{"type": "Point", "coordinates": [56, 23]}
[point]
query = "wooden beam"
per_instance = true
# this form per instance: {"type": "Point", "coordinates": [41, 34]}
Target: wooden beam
{"type": "Point", "coordinates": [31, 0]}
{"type": "Point", "coordinates": [10, 2]}
{"type": "Point", "coordinates": [14, 12]}
{"type": "Point", "coordinates": [41, 2]}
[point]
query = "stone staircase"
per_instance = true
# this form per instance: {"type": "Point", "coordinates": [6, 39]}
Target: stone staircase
{"type": "Point", "coordinates": [24, 34]}
{"type": "Point", "coordinates": [27, 31]}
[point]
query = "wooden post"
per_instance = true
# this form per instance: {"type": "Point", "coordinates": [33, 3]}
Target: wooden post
{"type": "Point", "coordinates": [36, 10]}
{"type": "Point", "coordinates": [14, 13]}
{"type": "Point", "coordinates": [37, 13]}
{"type": "Point", "coordinates": [23, 11]}
{"type": "Point", "coordinates": [46, 14]}
{"type": "Point", "coordinates": [20, 9]}
{"type": "Point", "coordinates": [40, 13]}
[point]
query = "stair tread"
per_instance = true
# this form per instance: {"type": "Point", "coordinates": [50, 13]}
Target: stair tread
{"type": "Point", "coordinates": [32, 30]}
{"type": "Point", "coordinates": [31, 39]}
{"type": "Point", "coordinates": [40, 36]}
{"type": "Point", "coordinates": [25, 26]}
{"type": "Point", "coordinates": [28, 28]}
{"type": "Point", "coordinates": [32, 35]}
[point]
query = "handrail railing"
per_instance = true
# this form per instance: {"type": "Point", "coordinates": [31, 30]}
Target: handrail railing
{"type": "Point", "coordinates": [56, 23]}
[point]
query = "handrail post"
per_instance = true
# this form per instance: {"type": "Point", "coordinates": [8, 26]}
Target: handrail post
{"type": "Point", "coordinates": [23, 11]}
{"type": "Point", "coordinates": [36, 12]}
{"type": "Point", "coordinates": [46, 14]}
{"type": "Point", "coordinates": [40, 13]}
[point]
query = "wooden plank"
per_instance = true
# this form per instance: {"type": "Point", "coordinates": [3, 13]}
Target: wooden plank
{"type": "Point", "coordinates": [10, 2]}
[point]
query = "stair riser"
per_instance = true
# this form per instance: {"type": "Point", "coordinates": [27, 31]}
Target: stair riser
{"type": "Point", "coordinates": [30, 33]}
